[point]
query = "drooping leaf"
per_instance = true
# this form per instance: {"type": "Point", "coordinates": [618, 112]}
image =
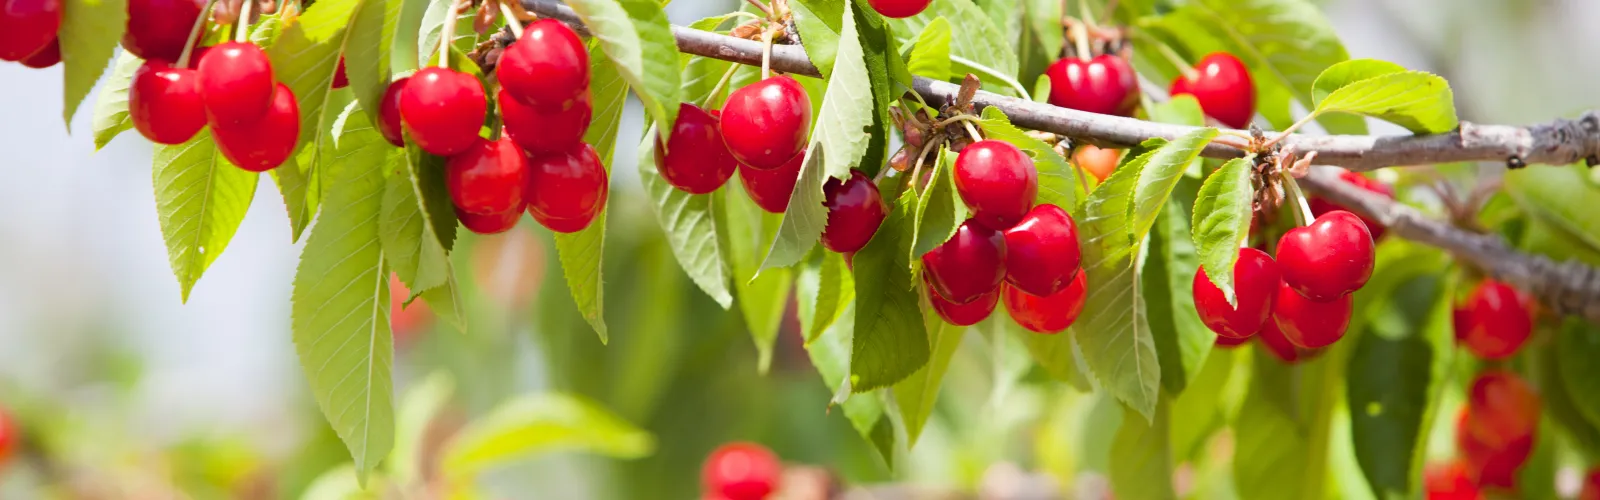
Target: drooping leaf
{"type": "Point", "coordinates": [1182, 340]}
{"type": "Point", "coordinates": [915, 396]}
{"type": "Point", "coordinates": [201, 200]}
{"type": "Point", "coordinates": [580, 252]}
{"type": "Point", "coordinates": [416, 227]}
{"type": "Point", "coordinates": [542, 423]}
{"type": "Point", "coordinates": [111, 106]}
{"type": "Point", "coordinates": [405, 47]}
{"type": "Point", "coordinates": [827, 287]}
{"type": "Point", "coordinates": [762, 297]}
{"type": "Point", "coordinates": [938, 210]}
{"type": "Point", "coordinates": [976, 44]}
{"type": "Point", "coordinates": [690, 228]}
{"type": "Point", "coordinates": [88, 35]}
{"type": "Point", "coordinates": [830, 354]}
{"type": "Point", "coordinates": [820, 23]}
{"type": "Point", "coordinates": [1059, 183]}
{"type": "Point", "coordinates": [637, 37]}
{"type": "Point", "coordinates": [366, 50]}
{"type": "Point", "coordinates": [930, 53]}
{"type": "Point", "coordinates": [1222, 221]}
{"type": "Point", "coordinates": [305, 58]}
{"type": "Point", "coordinates": [1421, 102]}
{"type": "Point", "coordinates": [890, 339]}
{"type": "Point", "coordinates": [880, 49]}
{"type": "Point", "coordinates": [1394, 380]}
{"type": "Point", "coordinates": [1141, 456]}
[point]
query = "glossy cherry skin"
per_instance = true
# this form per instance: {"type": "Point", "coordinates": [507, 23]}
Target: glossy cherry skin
{"type": "Point", "coordinates": [1449, 481]}
{"type": "Point", "coordinates": [236, 84]}
{"type": "Point", "coordinates": [340, 80]}
{"type": "Point", "coordinates": [538, 131]}
{"type": "Point", "coordinates": [694, 159]}
{"type": "Point", "coordinates": [1329, 258]}
{"type": "Point", "coordinates": [164, 103]}
{"type": "Point", "coordinates": [495, 223]}
{"type": "Point", "coordinates": [998, 181]}
{"type": "Point", "coordinates": [566, 190]}
{"type": "Point", "coordinates": [263, 144]}
{"type": "Point", "coordinates": [1255, 286]}
{"type": "Point", "coordinates": [968, 265]}
{"type": "Point", "coordinates": [1223, 86]}
{"type": "Point", "coordinates": [1042, 254]}
{"type": "Point", "coordinates": [741, 471]}
{"type": "Point", "coordinates": [158, 29]}
{"type": "Point", "coordinates": [27, 27]}
{"type": "Point", "coordinates": [967, 314]}
{"type": "Point", "coordinates": [1279, 346]}
{"type": "Point", "coordinates": [1308, 323]}
{"type": "Point", "coordinates": [389, 123]}
{"type": "Point", "coordinates": [1503, 409]}
{"type": "Point", "coordinates": [1050, 313]}
{"type": "Point", "coordinates": [1106, 84]}
{"type": "Point", "coordinates": [487, 178]}
{"type": "Point", "coordinates": [547, 68]}
{"type": "Point", "coordinates": [1495, 321]}
{"type": "Point", "coordinates": [442, 110]}
{"type": "Point", "coordinates": [1591, 485]}
{"type": "Point", "coordinates": [899, 9]}
{"type": "Point", "coordinates": [855, 210]}
{"type": "Point", "coordinates": [49, 56]}
{"type": "Point", "coordinates": [770, 189]}
{"type": "Point", "coordinates": [765, 123]}
{"type": "Point", "coordinates": [1099, 162]}
{"type": "Point", "coordinates": [1321, 206]}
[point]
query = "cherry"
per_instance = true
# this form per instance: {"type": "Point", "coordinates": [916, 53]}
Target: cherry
{"type": "Point", "coordinates": [1327, 259]}
{"type": "Point", "coordinates": [540, 131]}
{"type": "Point", "coordinates": [694, 159]}
{"type": "Point", "coordinates": [1050, 313]}
{"type": "Point", "coordinates": [1042, 251]}
{"type": "Point", "coordinates": [1231, 342]}
{"type": "Point", "coordinates": [340, 80]}
{"type": "Point", "coordinates": [494, 223]}
{"type": "Point", "coordinates": [406, 320]}
{"type": "Point", "coordinates": [1591, 485]}
{"type": "Point", "coordinates": [1223, 87]}
{"type": "Point", "coordinates": [164, 103]}
{"type": "Point", "coordinates": [1099, 162]}
{"type": "Point", "coordinates": [741, 471]}
{"type": "Point", "coordinates": [998, 181]}
{"type": "Point", "coordinates": [770, 189]}
{"type": "Point", "coordinates": [27, 27]}
{"type": "Point", "coordinates": [1495, 321]}
{"type": "Point", "coordinates": [197, 55]}
{"type": "Point", "coordinates": [158, 29]}
{"type": "Point", "coordinates": [1449, 481]}
{"type": "Point", "coordinates": [968, 265]}
{"type": "Point", "coordinates": [1256, 280]}
{"type": "Point", "coordinates": [389, 113]}
{"type": "Point", "coordinates": [547, 68]}
{"type": "Point", "coordinates": [967, 314]}
{"type": "Point", "coordinates": [49, 56]}
{"type": "Point", "coordinates": [855, 210]}
{"type": "Point", "coordinates": [765, 123]}
{"type": "Point", "coordinates": [1280, 347]}
{"type": "Point", "coordinates": [899, 9]}
{"type": "Point", "coordinates": [1490, 465]}
{"type": "Point", "coordinates": [442, 110]}
{"type": "Point", "coordinates": [566, 190]}
{"type": "Point", "coordinates": [1321, 206]}
{"type": "Point", "coordinates": [1106, 85]}
{"type": "Point", "coordinates": [1503, 409]}
{"type": "Point", "coordinates": [10, 436]}
{"type": "Point", "coordinates": [487, 178]}
{"type": "Point", "coordinates": [263, 144]}
{"type": "Point", "coordinates": [236, 84]}
{"type": "Point", "coordinates": [1308, 323]}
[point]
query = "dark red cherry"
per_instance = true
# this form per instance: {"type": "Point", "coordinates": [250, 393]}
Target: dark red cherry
{"type": "Point", "coordinates": [197, 55]}
{"type": "Point", "coordinates": [967, 314]}
{"type": "Point", "coordinates": [1106, 84]}
{"type": "Point", "coordinates": [694, 159]}
{"type": "Point", "coordinates": [741, 471]}
{"type": "Point", "coordinates": [1327, 259]}
{"type": "Point", "coordinates": [765, 123]}
{"type": "Point", "coordinates": [340, 80]}
{"type": "Point", "coordinates": [1321, 206]}
{"type": "Point", "coordinates": [1308, 323]}
{"type": "Point", "coordinates": [899, 9]}
{"type": "Point", "coordinates": [27, 27]}
{"type": "Point", "coordinates": [1279, 346]}
{"type": "Point", "coordinates": [1222, 85]}
{"type": "Point", "coordinates": [770, 189]}
{"type": "Point", "coordinates": [1042, 251]}
{"type": "Point", "coordinates": [1231, 342]}
{"type": "Point", "coordinates": [1503, 409]}
{"type": "Point", "coordinates": [1495, 320]}
{"type": "Point", "coordinates": [164, 103]}
{"type": "Point", "coordinates": [1255, 286]}
{"type": "Point", "coordinates": [158, 29]}
{"type": "Point", "coordinates": [487, 178]}
{"type": "Point", "coordinates": [566, 190]}
{"type": "Point", "coordinates": [49, 56]}
{"type": "Point", "coordinates": [442, 110]}
{"type": "Point", "coordinates": [855, 210]}
{"type": "Point", "coordinates": [263, 144]}
{"type": "Point", "coordinates": [389, 113]}
{"type": "Point", "coordinates": [1047, 314]}
{"type": "Point", "coordinates": [998, 181]}
{"type": "Point", "coordinates": [489, 223]}
{"type": "Point", "coordinates": [537, 131]}
{"type": "Point", "coordinates": [236, 84]}
{"type": "Point", "coordinates": [968, 265]}
{"type": "Point", "coordinates": [547, 68]}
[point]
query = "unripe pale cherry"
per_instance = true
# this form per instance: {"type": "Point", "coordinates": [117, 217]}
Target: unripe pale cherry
{"type": "Point", "coordinates": [1494, 321]}
{"type": "Point", "coordinates": [998, 181]}
{"type": "Point", "coordinates": [539, 131]}
{"type": "Point", "coordinates": [158, 29]}
{"type": "Point", "coordinates": [442, 110]}
{"type": "Point", "coordinates": [694, 159]}
{"type": "Point", "coordinates": [770, 189]}
{"type": "Point", "coordinates": [263, 144]}
{"type": "Point", "coordinates": [1329, 258]}
{"type": "Point", "coordinates": [566, 190]}
{"type": "Point", "coordinates": [1046, 314]}
{"type": "Point", "coordinates": [741, 471]}
{"type": "Point", "coordinates": [164, 103]}
{"type": "Point", "coordinates": [27, 27]}
{"type": "Point", "coordinates": [495, 223]}
{"type": "Point", "coordinates": [1223, 87]}
{"type": "Point", "coordinates": [1256, 281]}
{"type": "Point", "coordinates": [967, 314]}
{"type": "Point", "coordinates": [236, 84]}
{"type": "Point", "coordinates": [1099, 162]}
{"type": "Point", "coordinates": [547, 68]}
{"type": "Point", "coordinates": [968, 265]}
{"type": "Point", "coordinates": [765, 123]}
{"type": "Point", "coordinates": [1308, 323]}
{"type": "Point", "coordinates": [487, 178]}
{"type": "Point", "coordinates": [389, 123]}
{"type": "Point", "coordinates": [855, 210]}
{"type": "Point", "coordinates": [1105, 84]}
{"type": "Point", "coordinates": [1042, 255]}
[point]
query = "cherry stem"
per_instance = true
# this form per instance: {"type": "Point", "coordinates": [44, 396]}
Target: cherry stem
{"type": "Point", "coordinates": [1082, 175]}
{"type": "Point", "coordinates": [1081, 35]}
{"type": "Point", "coordinates": [972, 130]}
{"type": "Point", "coordinates": [1303, 215]}
{"type": "Point", "coordinates": [511, 20]}
{"type": "Point", "coordinates": [194, 34]}
{"type": "Point", "coordinates": [447, 34]}
{"type": "Point", "coordinates": [727, 76]}
{"type": "Point", "coordinates": [922, 156]}
{"type": "Point", "coordinates": [761, 6]}
{"type": "Point", "coordinates": [1188, 71]}
{"type": "Point", "coordinates": [766, 53]}
{"type": "Point", "coordinates": [1288, 131]}
{"type": "Point", "coordinates": [241, 31]}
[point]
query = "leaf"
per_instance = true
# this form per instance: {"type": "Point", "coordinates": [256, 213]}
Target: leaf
{"type": "Point", "coordinates": [201, 200]}
{"type": "Point", "coordinates": [537, 424]}
{"type": "Point", "coordinates": [1578, 373]}
{"type": "Point", "coordinates": [1006, 17]}
{"type": "Point", "coordinates": [938, 212]}
{"type": "Point", "coordinates": [1420, 102]}
{"type": "Point", "coordinates": [1161, 173]}
{"type": "Point", "coordinates": [338, 483]}
{"type": "Point", "coordinates": [890, 339]}
{"type": "Point", "coordinates": [1141, 456]}
{"type": "Point", "coordinates": [417, 227]}
{"type": "Point", "coordinates": [1201, 405]}
{"type": "Point", "coordinates": [1222, 221]}
{"type": "Point", "coordinates": [762, 297]}
{"type": "Point", "coordinates": [1393, 381]}
{"type": "Point", "coordinates": [1276, 442]}
{"type": "Point", "coordinates": [305, 58]}
{"type": "Point", "coordinates": [580, 253]}
{"type": "Point", "coordinates": [432, 23]}
{"type": "Point", "coordinates": [88, 35]}
{"type": "Point", "coordinates": [1182, 340]}
{"type": "Point", "coordinates": [405, 47]}
{"type": "Point", "coordinates": [820, 23]}
{"type": "Point", "coordinates": [976, 44]}
{"type": "Point", "coordinates": [637, 37]}
{"type": "Point", "coordinates": [879, 50]}
{"type": "Point", "coordinates": [111, 106]}
{"type": "Point", "coordinates": [1348, 72]}
{"type": "Point", "coordinates": [930, 54]}
{"type": "Point", "coordinates": [1559, 395]}
{"type": "Point", "coordinates": [688, 223]}
{"type": "Point", "coordinates": [1060, 355]}
{"type": "Point", "coordinates": [1059, 183]}
{"type": "Point", "coordinates": [830, 354]}
{"type": "Point", "coordinates": [915, 396]}
{"type": "Point", "coordinates": [419, 405]}
{"type": "Point", "coordinates": [366, 51]}
{"type": "Point", "coordinates": [341, 301]}
{"type": "Point", "coordinates": [1558, 196]}
{"type": "Point", "coordinates": [828, 287]}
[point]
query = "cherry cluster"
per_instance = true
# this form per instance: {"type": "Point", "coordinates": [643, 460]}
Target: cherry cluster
{"type": "Point", "coordinates": [28, 30]}
{"type": "Point", "coordinates": [740, 471]}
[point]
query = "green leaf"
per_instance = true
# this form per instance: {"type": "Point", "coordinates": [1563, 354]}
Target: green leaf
{"type": "Point", "coordinates": [580, 253]}
{"type": "Point", "coordinates": [1420, 102]}
{"type": "Point", "coordinates": [1268, 432]}
{"type": "Point", "coordinates": [976, 44]}
{"type": "Point", "coordinates": [1141, 456]}
{"type": "Point", "coordinates": [1579, 373]}
{"type": "Point", "coordinates": [938, 211]}
{"type": "Point", "coordinates": [879, 50]}
{"type": "Point", "coordinates": [89, 33]}
{"type": "Point", "coordinates": [1059, 354]}
{"type": "Point", "coordinates": [688, 223]}
{"type": "Point", "coordinates": [1059, 183]}
{"type": "Point", "coordinates": [762, 297]}
{"type": "Point", "coordinates": [416, 228]}
{"type": "Point", "coordinates": [341, 301]}
{"type": "Point", "coordinates": [1559, 196]}
{"type": "Point", "coordinates": [338, 483]}
{"type": "Point", "coordinates": [111, 106]}
{"type": "Point", "coordinates": [637, 37]}
{"type": "Point", "coordinates": [824, 290]}
{"type": "Point", "coordinates": [1182, 340]}
{"type": "Point", "coordinates": [930, 54]}
{"type": "Point", "coordinates": [404, 47]}
{"type": "Point", "coordinates": [366, 51]}
{"type": "Point", "coordinates": [464, 38]}
{"type": "Point", "coordinates": [820, 23]}
{"type": "Point", "coordinates": [1560, 395]}
{"type": "Point", "coordinates": [915, 396]}
{"type": "Point", "coordinates": [305, 58]}
{"type": "Point", "coordinates": [1348, 72]}
{"type": "Point", "coordinates": [1222, 221]}
{"type": "Point", "coordinates": [830, 354]}
{"type": "Point", "coordinates": [1006, 17]}
{"type": "Point", "coordinates": [418, 407]}
{"type": "Point", "coordinates": [201, 200]}
{"type": "Point", "coordinates": [1393, 381]}
{"type": "Point", "coordinates": [1164, 167]}
{"type": "Point", "coordinates": [537, 424]}
{"type": "Point", "coordinates": [1201, 405]}
{"type": "Point", "coordinates": [890, 339]}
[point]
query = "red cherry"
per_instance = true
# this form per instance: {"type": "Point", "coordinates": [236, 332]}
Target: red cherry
{"type": "Point", "coordinates": [389, 113]}
{"type": "Point", "coordinates": [899, 9]}
{"type": "Point", "coordinates": [1487, 465]}
{"type": "Point", "coordinates": [10, 436]}
{"type": "Point", "coordinates": [998, 181]}
{"type": "Point", "coordinates": [1591, 485]}
{"type": "Point", "coordinates": [487, 178]}
{"type": "Point", "coordinates": [340, 80]}
{"type": "Point", "coordinates": [1327, 259]}
{"type": "Point", "coordinates": [967, 314]}
{"type": "Point", "coordinates": [1231, 342]}
{"type": "Point", "coordinates": [1255, 286]}
{"type": "Point", "coordinates": [158, 29]}
{"type": "Point", "coordinates": [1495, 321]}
{"type": "Point", "coordinates": [1223, 87]}
{"type": "Point", "coordinates": [1050, 313]}
{"type": "Point", "coordinates": [969, 265]}
{"type": "Point", "coordinates": [495, 223]}
{"type": "Point", "coordinates": [566, 190]}
{"type": "Point", "coordinates": [235, 84]}
{"type": "Point", "coordinates": [770, 189]}
{"type": "Point", "coordinates": [1280, 347]}
{"type": "Point", "coordinates": [547, 68]}
{"type": "Point", "coordinates": [27, 27]}
{"type": "Point", "coordinates": [765, 123]}
{"type": "Point", "coordinates": [263, 144]}
{"type": "Point", "coordinates": [442, 110]}
{"type": "Point", "coordinates": [741, 471]}
{"type": "Point", "coordinates": [1308, 323]}
{"type": "Point", "coordinates": [1503, 409]}
{"type": "Point", "coordinates": [538, 131]}
{"type": "Point", "coordinates": [1449, 481]}
{"type": "Point", "coordinates": [1042, 251]}
{"type": "Point", "coordinates": [855, 210]}
{"type": "Point", "coordinates": [164, 103]}
{"type": "Point", "coordinates": [694, 159]}
{"type": "Point", "coordinates": [1106, 84]}
{"type": "Point", "coordinates": [49, 56]}
{"type": "Point", "coordinates": [197, 55]}
{"type": "Point", "coordinates": [1321, 206]}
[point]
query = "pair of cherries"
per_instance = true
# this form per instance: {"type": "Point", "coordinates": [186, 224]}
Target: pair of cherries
{"type": "Point", "coordinates": [254, 119]}
{"type": "Point", "coordinates": [28, 30]}
{"type": "Point", "coordinates": [760, 133]}
{"type": "Point", "coordinates": [1495, 430]}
